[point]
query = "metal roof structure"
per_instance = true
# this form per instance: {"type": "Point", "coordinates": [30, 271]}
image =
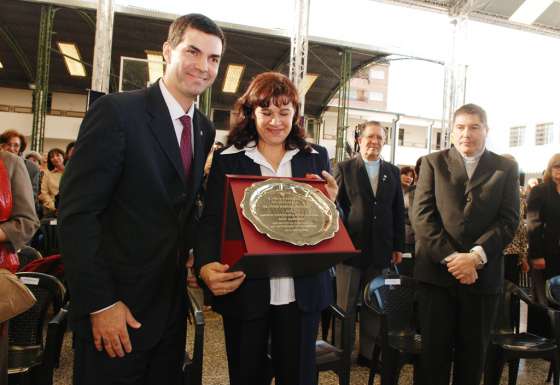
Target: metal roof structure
{"type": "Point", "coordinates": [493, 11]}
{"type": "Point", "coordinates": [136, 31]}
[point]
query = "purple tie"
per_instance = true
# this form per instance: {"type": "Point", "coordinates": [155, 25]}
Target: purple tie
{"type": "Point", "coordinates": [186, 144]}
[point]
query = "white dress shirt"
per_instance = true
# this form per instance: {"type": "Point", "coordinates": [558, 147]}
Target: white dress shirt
{"type": "Point", "coordinates": [176, 111]}
{"type": "Point", "coordinates": [372, 168]}
{"type": "Point", "coordinates": [282, 291]}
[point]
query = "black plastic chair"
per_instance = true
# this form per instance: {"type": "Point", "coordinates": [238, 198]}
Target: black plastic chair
{"type": "Point", "coordinates": [509, 346]}
{"type": "Point", "coordinates": [26, 255]}
{"type": "Point", "coordinates": [192, 366]}
{"type": "Point", "coordinates": [330, 357]}
{"type": "Point", "coordinates": [392, 298]}
{"type": "Point", "coordinates": [31, 357]}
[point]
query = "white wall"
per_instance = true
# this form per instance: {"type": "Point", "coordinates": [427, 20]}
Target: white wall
{"type": "Point", "coordinates": [59, 130]}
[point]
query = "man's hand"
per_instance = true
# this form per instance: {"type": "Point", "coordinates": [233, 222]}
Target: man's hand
{"type": "Point", "coordinates": [538, 264]}
{"type": "Point", "coordinates": [191, 278]}
{"type": "Point", "coordinates": [110, 332]}
{"type": "Point", "coordinates": [331, 186]}
{"type": "Point", "coordinates": [463, 267]}
{"type": "Point", "coordinates": [217, 279]}
{"type": "Point", "coordinates": [396, 258]}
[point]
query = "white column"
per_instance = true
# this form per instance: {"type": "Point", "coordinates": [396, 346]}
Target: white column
{"type": "Point", "coordinates": [299, 47]}
{"type": "Point", "coordinates": [100, 76]}
{"type": "Point", "coordinates": [455, 65]}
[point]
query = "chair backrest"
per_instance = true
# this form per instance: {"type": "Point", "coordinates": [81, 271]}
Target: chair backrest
{"type": "Point", "coordinates": [552, 289]}
{"type": "Point", "coordinates": [504, 322]}
{"type": "Point", "coordinates": [27, 328]}
{"type": "Point", "coordinates": [26, 255]}
{"type": "Point", "coordinates": [393, 296]}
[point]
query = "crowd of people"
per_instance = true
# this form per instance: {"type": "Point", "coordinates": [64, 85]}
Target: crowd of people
{"type": "Point", "coordinates": [141, 201]}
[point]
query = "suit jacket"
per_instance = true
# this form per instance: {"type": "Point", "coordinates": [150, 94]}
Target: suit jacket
{"type": "Point", "coordinates": [126, 218]}
{"type": "Point", "coordinates": [375, 222]}
{"type": "Point", "coordinates": [452, 213]}
{"type": "Point", "coordinates": [543, 222]}
{"type": "Point", "coordinates": [252, 298]}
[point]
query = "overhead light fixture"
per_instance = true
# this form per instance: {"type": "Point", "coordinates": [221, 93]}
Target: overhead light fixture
{"type": "Point", "coordinates": [307, 82]}
{"type": "Point", "coordinates": [155, 65]}
{"type": "Point", "coordinates": [530, 11]}
{"type": "Point", "coordinates": [1, 65]}
{"type": "Point", "coordinates": [232, 79]}
{"type": "Point", "coordinates": [72, 59]}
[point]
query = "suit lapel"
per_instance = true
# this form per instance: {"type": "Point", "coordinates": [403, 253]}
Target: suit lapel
{"type": "Point", "coordinates": [362, 176]}
{"type": "Point", "coordinates": [162, 128]}
{"type": "Point", "coordinates": [198, 157]}
{"type": "Point", "coordinates": [299, 165]}
{"type": "Point", "coordinates": [482, 171]}
{"type": "Point", "coordinates": [381, 180]}
{"type": "Point", "coordinates": [457, 170]}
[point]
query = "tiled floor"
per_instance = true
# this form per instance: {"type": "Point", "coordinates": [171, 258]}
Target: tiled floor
{"type": "Point", "coordinates": [215, 366]}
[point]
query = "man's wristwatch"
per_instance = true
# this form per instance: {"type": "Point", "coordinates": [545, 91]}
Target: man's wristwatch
{"type": "Point", "coordinates": [479, 260]}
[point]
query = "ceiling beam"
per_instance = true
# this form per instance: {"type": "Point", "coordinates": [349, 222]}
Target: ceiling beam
{"type": "Point", "coordinates": [21, 57]}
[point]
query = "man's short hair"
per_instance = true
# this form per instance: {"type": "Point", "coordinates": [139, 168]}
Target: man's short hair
{"type": "Point", "coordinates": [472, 109]}
{"type": "Point", "coordinates": [369, 123]}
{"type": "Point", "coordinates": [196, 21]}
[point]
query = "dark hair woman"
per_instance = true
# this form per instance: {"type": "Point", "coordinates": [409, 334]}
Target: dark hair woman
{"type": "Point", "coordinates": [543, 225]}
{"type": "Point", "coordinates": [51, 181]}
{"type": "Point", "coordinates": [267, 141]}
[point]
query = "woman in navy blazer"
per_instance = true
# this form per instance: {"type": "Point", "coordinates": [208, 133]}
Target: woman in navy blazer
{"type": "Point", "coordinates": [268, 142]}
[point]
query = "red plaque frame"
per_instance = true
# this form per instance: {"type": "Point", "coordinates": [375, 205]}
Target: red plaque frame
{"type": "Point", "coordinates": [244, 248]}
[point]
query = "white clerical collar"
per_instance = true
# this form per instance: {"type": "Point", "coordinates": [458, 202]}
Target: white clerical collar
{"type": "Point", "coordinates": [371, 162]}
{"type": "Point", "coordinates": [175, 109]}
{"type": "Point", "coordinates": [474, 158]}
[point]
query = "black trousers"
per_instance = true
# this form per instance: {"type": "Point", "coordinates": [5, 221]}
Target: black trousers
{"type": "Point", "coordinates": [455, 326]}
{"type": "Point", "coordinates": [292, 334]}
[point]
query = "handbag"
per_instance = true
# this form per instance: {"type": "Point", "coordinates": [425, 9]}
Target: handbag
{"type": "Point", "coordinates": [16, 297]}
{"type": "Point", "coordinates": [8, 257]}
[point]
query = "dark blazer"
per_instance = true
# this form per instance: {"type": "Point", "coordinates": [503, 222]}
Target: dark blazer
{"type": "Point", "coordinates": [375, 222]}
{"type": "Point", "coordinates": [543, 225]}
{"type": "Point", "coordinates": [454, 213]}
{"type": "Point", "coordinates": [126, 211]}
{"type": "Point", "coordinates": [252, 298]}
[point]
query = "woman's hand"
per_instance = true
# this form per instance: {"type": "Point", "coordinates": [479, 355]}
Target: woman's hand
{"type": "Point", "coordinates": [331, 186]}
{"type": "Point", "coordinates": [217, 279]}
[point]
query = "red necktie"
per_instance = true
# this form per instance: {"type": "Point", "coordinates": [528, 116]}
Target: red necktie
{"type": "Point", "coordinates": [186, 145]}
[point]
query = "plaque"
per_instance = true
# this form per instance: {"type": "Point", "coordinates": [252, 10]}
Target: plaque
{"type": "Point", "coordinates": [246, 248]}
{"type": "Point", "coordinates": [290, 211]}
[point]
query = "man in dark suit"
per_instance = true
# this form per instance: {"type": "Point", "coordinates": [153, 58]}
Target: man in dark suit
{"type": "Point", "coordinates": [371, 198]}
{"type": "Point", "coordinates": [127, 216]}
{"type": "Point", "coordinates": [465, 211]}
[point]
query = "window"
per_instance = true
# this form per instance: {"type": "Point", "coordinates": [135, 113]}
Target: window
{"type": "Point", "coordinates": [353, 95]}
{"type": "Point", "coordinates": [543, 134]}
{"type": "Point", "coordinates": [376, 74]}
{"type": "Point", "coordinates": [516, 136]}
{"type": "Point", "coordinates": [438, 141]}
{"type": "Point", "coordinates": [401, 136]}
{"type": "Point", "coordinates": [375, 96]}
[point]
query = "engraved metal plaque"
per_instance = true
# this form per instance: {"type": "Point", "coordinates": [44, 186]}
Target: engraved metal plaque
{"type": "Point", "coordinates": [290, 211]}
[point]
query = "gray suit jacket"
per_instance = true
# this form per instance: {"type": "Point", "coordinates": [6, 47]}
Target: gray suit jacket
{"type": "Point", "coordinates": [454, 213]}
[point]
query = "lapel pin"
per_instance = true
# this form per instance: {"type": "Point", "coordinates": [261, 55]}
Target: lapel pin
{"type": "Point", "coordinates": [384, 177]}
{"type": "Point", "coordinates": [200, 132]}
